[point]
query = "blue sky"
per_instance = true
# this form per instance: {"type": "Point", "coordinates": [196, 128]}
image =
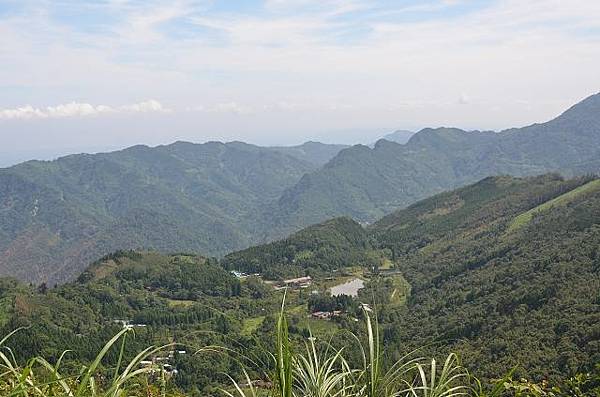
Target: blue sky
{"type": "Point", "coordinates": [86, 75]}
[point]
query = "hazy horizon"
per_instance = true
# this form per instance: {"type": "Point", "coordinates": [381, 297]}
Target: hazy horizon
{"type": "Point", "coordinates": [9, 158]}
{"type": "Point", "coordinates": [79, 76]}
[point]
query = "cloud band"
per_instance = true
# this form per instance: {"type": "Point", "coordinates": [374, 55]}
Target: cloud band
{"type": "Point", "coordinates": [78, 109]}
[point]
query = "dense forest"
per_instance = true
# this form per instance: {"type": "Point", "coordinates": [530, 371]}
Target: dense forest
{"type": "Point", "coordinates": [504, 270]}
{"type": "Point", "coordinates": [505, 273]}
{"type": "Point", "coordinates": [368, 183]}
{"type": "Point", "coordinates": [215, 198]}
{"type": "Point", "coordinates": [328, 246]}
{"type": "Point", "coordinates": [58, 216]}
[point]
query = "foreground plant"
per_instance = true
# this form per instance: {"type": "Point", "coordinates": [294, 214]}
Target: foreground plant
{"type": "Point", "coordinates": [325, 372]}
{"type": "Point", "coordinates": [40, 378]}
{"type": "Point", "coordinates": [318, 370]}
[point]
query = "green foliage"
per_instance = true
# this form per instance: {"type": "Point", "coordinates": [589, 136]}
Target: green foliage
{"type": "Point", "coordinates": [367, 184]}
{"type": "Point", "coordinates": [529, 297]}
{"type": "Point", "coordinates": [141, 288]}
{"type": "Point", "coordinates": [326, 303]}
{"type": "Point", "coordinates": [215, 198]}
{"type": "Point", "coordinates": [319, 371]}
{"type": "Point", "coordinates": [182, 197]}
{"type": "Point", "coordinates": [580, 385]}
{"type": "Point", "coordinates": [40, 378]}
{"type": "Point", "coordinates": [468, 289]}
{"type": "Point", "coordinates": [331, 245]}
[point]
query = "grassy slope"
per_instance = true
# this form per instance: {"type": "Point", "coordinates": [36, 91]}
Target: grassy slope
{"type": "Point", "coordinates": [496, 300]}
{"type": "Point", "coordinates": [524, 218]}
{"type": "Point", "coordinates": [501, 301]}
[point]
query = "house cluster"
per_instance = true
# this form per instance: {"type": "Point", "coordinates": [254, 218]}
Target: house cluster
{"type": "Point", "coordinates": [163, 364]}
{"type": "Point", "coordinates": [326, 315]}
{"type": "Point", "coordinates": [300, 282]}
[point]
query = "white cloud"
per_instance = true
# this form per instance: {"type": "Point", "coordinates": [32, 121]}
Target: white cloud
{"type": "Point", "coordinates": [317, 62]}
{"type": "Point", "coordinates": [77, 109]}
{"type": "Point", "coordinates": [145, 107]}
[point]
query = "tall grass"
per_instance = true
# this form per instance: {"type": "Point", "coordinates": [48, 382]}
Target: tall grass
{"type": "Point", "coordinates": [320, 370]}
{"type": "Point", "coordinates": [40, 378]}
{"type": "Point", "coordinates": [316, 370]}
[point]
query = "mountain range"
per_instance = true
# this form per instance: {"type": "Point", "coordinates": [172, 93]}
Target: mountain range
{"type": "Point", "coordinates": [367, 183]}
{"type": "Point", "coordinates": [214, 198]}
{"type": "Point", "coordinates": [56, 216]}
{"type": "Point", "coordinates": [504, 272]}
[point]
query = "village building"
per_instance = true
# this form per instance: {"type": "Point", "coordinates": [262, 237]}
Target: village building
{"type": "Point", "coordinates": [300, 282]}
{"type": "Point", "coordinates": [326, 315]}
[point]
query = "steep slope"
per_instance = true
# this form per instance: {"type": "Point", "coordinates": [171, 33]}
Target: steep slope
{"type": "Point", "coordinates": [59, 215]}
{"type": "Point", "coordinates": [368, 183]}
{"type": "Point", "coordinates": [333, 244]}
{"type": "Point", "coordinates": [501, 295]}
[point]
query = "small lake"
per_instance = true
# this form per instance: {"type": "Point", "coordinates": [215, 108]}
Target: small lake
{"type": "Point", "coordinates": [349, 288]}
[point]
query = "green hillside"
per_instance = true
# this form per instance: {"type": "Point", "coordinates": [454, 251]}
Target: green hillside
{"type": "Point", "coordinates": [498, 295]}
{"type": "Point", "coordinates": [215, 198]}
{"type": "Point", "coordinates": [530, 298]}
{"type": "Point", "coordinates": [180, 298]}
{"type": "Point", "coordinates": [57, 216]}
{"type": "Point", "coordinates": [367, 184]}
{"type": "Point", "coordinates": [447, 274]}
{"type": "Point", "coordinates": [331, 245]}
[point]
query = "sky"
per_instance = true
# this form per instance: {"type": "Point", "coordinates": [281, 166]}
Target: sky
{"type": "Point", "coordinates": [85, 76]}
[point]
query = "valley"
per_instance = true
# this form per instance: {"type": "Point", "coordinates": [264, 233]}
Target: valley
{"type": "Point", "coordinates": [440, 275]}
{"type": "Point", "coordinates": [215, 198]}
{"type": "Point", "coordinates": [299, 198]}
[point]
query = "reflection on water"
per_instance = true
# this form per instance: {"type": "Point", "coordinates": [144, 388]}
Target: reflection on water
{"type": "Point", "coordinates": [349, 288]}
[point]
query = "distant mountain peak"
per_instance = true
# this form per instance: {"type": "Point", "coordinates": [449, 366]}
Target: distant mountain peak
{"type": "Point", "coordinates": [382, 143]}
{"type": "Point", "coordinates": [399, 136]}
{"type": "Point", "coordinates": [587, 109]}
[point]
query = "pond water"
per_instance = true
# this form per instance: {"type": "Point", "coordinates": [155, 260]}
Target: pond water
{"type": "Point", "coordinates": [349, 288]}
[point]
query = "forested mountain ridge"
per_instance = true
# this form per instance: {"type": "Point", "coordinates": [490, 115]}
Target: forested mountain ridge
{"type": "Point", "coordinates": [327, 246]}
{"type": "Point", "coordinates": [502, 271]}
{"type": "Point", "coordinates": [216, 198]}
{"type": "Point", "coordinates": [505, 272]}
{"type": "Point", "coordinates": [483, 287]}
{"type": "Point", "coordinates": [367, 183]}
{"type": "Point", "coordinates": [56, 216]}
